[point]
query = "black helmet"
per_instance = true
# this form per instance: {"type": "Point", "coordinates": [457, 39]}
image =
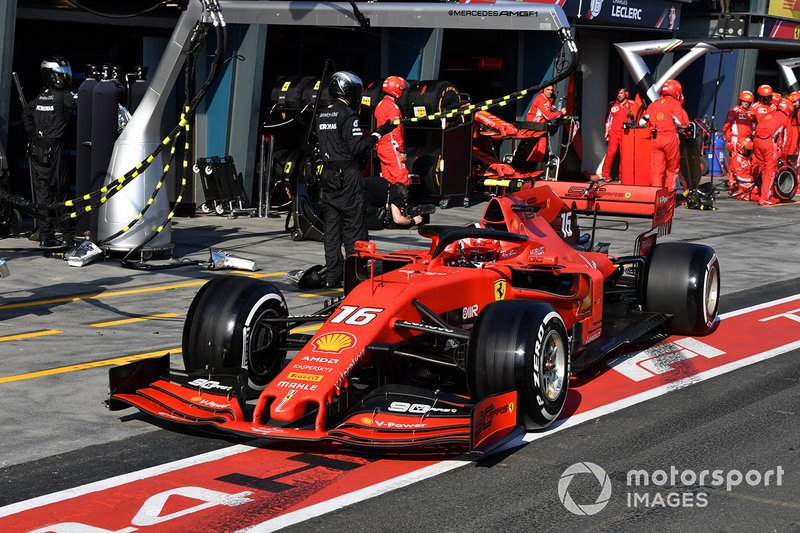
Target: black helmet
{"type": "Point", "coordinates": [347, 85]}
{"type": "Point", "coordinates": [56, 72]}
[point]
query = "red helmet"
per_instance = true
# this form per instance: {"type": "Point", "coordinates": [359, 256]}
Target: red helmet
{"type": "Point", "coordinates": [745, 147]}
{"type": "Point", "coordinates": [671, 88]}
{"type": "Point", "coordinates": [478, 251]}
{"type": "Point", "coordinates": [786, 107]}
{"type": "Point", "coordinates": [776, 98]}
{"type": "Point", "coordinates": [747, 96]}
{"type": "Point", "coordinates": [394, 86]}
{"type": "Point", "coordinates": [793, 97]}
{"type": "Point", "coordinates": [764, 90]}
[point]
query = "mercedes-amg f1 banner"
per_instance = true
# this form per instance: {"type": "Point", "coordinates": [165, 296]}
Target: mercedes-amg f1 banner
{"type": "Point", "coordinates": [643, 13]}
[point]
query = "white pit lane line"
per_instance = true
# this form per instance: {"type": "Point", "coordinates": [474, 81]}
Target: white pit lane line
{"type": "Point", "coordinates": [405, 480]}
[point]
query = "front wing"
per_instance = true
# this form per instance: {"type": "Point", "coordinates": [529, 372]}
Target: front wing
{"type": "Point", "coordinates": [394, 416]}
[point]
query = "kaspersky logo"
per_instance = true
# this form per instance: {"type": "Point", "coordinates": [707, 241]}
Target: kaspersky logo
{"type": "Point", "coordinates": [334, 342]}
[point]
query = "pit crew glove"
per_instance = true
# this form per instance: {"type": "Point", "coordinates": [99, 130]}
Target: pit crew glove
{"type": "Point", "coordinates": [383, 129]}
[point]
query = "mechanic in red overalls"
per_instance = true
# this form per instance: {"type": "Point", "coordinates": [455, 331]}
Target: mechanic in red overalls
{"type": "Point", "coordinates": [740, 121]}
{"type": "Point", "coordinates": [543, 110]}
{"type": "Point", "coordinates": [764, 103]}
{"type": "Point", "coordinates": [768, 142]}
{"type": "Point", "coordinates": [391, 147]}
{"type": "Point", "coordinates": [793, 132]}
{"type": "Point", "coordinates": [619, 112]}
{"type": "Point", "coordinates": [740, 171]}
{"type": "Point", "coordinates": [665, 116]}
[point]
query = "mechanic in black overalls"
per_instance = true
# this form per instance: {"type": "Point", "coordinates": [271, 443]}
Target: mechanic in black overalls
{"type": "Point", "coordinates": [45, 119]}
{"type": "Point", "coordinates": [343, 148]}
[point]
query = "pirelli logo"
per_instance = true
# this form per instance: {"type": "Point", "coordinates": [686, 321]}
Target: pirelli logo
{"type": "Point", "coordinates": [304, 377]}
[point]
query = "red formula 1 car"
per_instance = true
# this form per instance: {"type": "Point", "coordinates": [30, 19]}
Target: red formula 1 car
{"type": "Point", "coordinates": [456, 344]}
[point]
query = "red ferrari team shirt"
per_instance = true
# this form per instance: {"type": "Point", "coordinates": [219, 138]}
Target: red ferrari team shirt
{"type": "Point", "coordinates": [759, 109]}
{"type": "Point", "coordinates": [739, 123]}
{"type": "Point", "coordinates": [618, 114]}
{"type": "Point", "coordinates": [541, 109]}
{"type": "Point", "coordinates": [665, 114]}
{"type": "Point", "coordinates": [387, 109]}
{"type": "Point", "coordinates": [772, 126]}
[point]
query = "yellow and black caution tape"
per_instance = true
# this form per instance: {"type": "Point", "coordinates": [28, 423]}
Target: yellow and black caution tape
{"type": "Point", "coordinates": [158, 229]}
{"type": "Point", "coordinates": [115, 186]}
{"type": "Point", "coordinates": [568, 47]}
{"type": "Point", "coordinates": [160, 184]}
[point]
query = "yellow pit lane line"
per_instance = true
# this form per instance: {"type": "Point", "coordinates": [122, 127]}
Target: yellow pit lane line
{"type": "Point", "coordinates": [323, 293]}
{"type": "Point", "coordinates": [107, 362]}
{"type": "Point", "coordinates": [87, 366]}
{"type": "Point", "coordinates": [32, 334]}
{"type": "Point", "coordinates": [132, 320]}
{"type": "Point", "coordinates": [113, 294]}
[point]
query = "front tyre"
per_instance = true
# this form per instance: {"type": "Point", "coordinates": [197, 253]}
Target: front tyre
{"type": "Point", "coordinates": [224, 330]}
{"type": "Point", "coordinates": [683, 279]}
{"type": "Point", "coordinates": [521, 345]}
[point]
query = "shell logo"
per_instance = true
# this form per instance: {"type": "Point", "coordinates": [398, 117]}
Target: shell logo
{"type": "Point", "coordinates": [195, 399]}
{"type": "Point", "coordinates": [660, 117]}
{"type": "Point", "coordinates": [334, 342]}
{"type": "Point", "coordinates": [367, 421]}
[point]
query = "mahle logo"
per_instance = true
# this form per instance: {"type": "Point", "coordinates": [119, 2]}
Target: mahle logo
{"type": "Point", "coordinates": [589, 508]}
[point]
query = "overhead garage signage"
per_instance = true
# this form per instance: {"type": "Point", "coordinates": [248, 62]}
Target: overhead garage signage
{"type": "Point", "coordinates": [651, 13]}
{"type": "Point", "coordinates": [788, 9]}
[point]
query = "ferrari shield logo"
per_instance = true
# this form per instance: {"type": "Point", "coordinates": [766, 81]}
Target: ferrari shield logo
{"type": "Point", "coordinates": [500, 289]}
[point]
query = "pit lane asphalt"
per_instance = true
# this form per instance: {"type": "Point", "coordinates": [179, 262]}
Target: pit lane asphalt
{"type": "Point", "coordinates": [56, 423]}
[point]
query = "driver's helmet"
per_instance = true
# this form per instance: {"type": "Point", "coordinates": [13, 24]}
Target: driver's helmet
{"type": "Point", "coordinates": [478, 251]}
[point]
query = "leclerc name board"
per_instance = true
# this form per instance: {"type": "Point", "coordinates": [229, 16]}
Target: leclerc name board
{"type": "Point", "coordinates": [643, 13]}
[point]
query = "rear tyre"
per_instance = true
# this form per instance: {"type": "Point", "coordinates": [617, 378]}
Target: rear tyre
{"type": "Point", "coordinates": [521, 345]}
{"type": "Point", "coordinates": [785, 184]}
{"type": "Point", "coordinates": [223, 331]}
{"type": "Point", "coordinates": [682, 279]}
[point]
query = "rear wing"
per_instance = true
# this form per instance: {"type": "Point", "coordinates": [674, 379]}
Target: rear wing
{"type": "Point", "coordinates": [617, 200]}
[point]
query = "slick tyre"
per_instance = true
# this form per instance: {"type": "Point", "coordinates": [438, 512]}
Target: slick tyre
{"type": "Point", "coordinates": [785, 185]}
{"type": "Point", "coordinates": [682, 279]}
{"type": "Point", "coordinates": [224, 331]}
{"type": "Point", "coordinates": [521, 345]}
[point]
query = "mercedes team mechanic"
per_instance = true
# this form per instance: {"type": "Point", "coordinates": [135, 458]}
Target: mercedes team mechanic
{"type": "Point", "coordinates": [740, 121]}
{"type": "Point", "coordinates": [768, 144]}
{"type": "Point", "coordinates": [664, 116]}
{"type": "Point", "coordinates": [391, 147]}
{"type": "Point", "coordinates": [343, 148]}
{"type": "Point", "coordinates": [620, 111]}
{"type": "Point", "coordinates": [45, 119]}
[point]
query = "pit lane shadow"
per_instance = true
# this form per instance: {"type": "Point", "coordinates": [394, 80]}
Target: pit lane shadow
{"type": "Point", "coordinates": [44, 299]}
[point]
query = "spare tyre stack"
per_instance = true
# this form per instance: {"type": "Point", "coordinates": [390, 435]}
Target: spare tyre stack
{"type": "Point", "coordinates": [287, 119]}
{"type": "Point", "coordinates": [426, 141]}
